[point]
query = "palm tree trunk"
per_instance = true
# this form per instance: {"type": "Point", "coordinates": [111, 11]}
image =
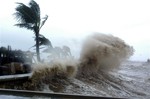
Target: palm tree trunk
{"type": "Point", "coordinates": [37, 47]}
{"type": "Point", "coordinates": [37, 44]}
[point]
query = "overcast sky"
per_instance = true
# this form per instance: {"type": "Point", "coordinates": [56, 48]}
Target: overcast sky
{"type": "Point", "coordinates": [72, 20]}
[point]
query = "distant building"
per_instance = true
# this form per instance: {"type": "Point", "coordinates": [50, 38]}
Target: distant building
{"type": "Point", "coordinates": [7, 56]}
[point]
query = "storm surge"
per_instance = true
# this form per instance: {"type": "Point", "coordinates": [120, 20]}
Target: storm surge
{"type": "Point", "coordinates": [100, 52]}
{"type": "Point", "coordinates": [103, 52]}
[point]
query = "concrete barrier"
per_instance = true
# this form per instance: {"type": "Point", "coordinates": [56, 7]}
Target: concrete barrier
{"type": "Point", "coordinates": [26, 93]}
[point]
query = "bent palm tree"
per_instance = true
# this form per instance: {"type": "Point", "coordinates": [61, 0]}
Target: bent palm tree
{"type": "Point", "coordinates": [29, 18]}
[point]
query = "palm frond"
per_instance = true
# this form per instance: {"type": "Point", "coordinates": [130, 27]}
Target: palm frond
{"type": "Point", "coordinates": [24, 14]}
{"type": "Point", "coordinates": [43, 22]}
{"type": "Point", "coordinates": [25, 25]}
{"type": "Point", "coordinates": [43, 41]}
{"type": "Point", "coordinates": [36, 10]}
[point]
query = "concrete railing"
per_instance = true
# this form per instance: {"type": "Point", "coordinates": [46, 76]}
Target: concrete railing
{"type": "Point", "coordinates": [25, 93]}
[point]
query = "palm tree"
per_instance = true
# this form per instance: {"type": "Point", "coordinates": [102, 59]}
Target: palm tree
{"type": "Point", "coordinates": [29, 18]}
